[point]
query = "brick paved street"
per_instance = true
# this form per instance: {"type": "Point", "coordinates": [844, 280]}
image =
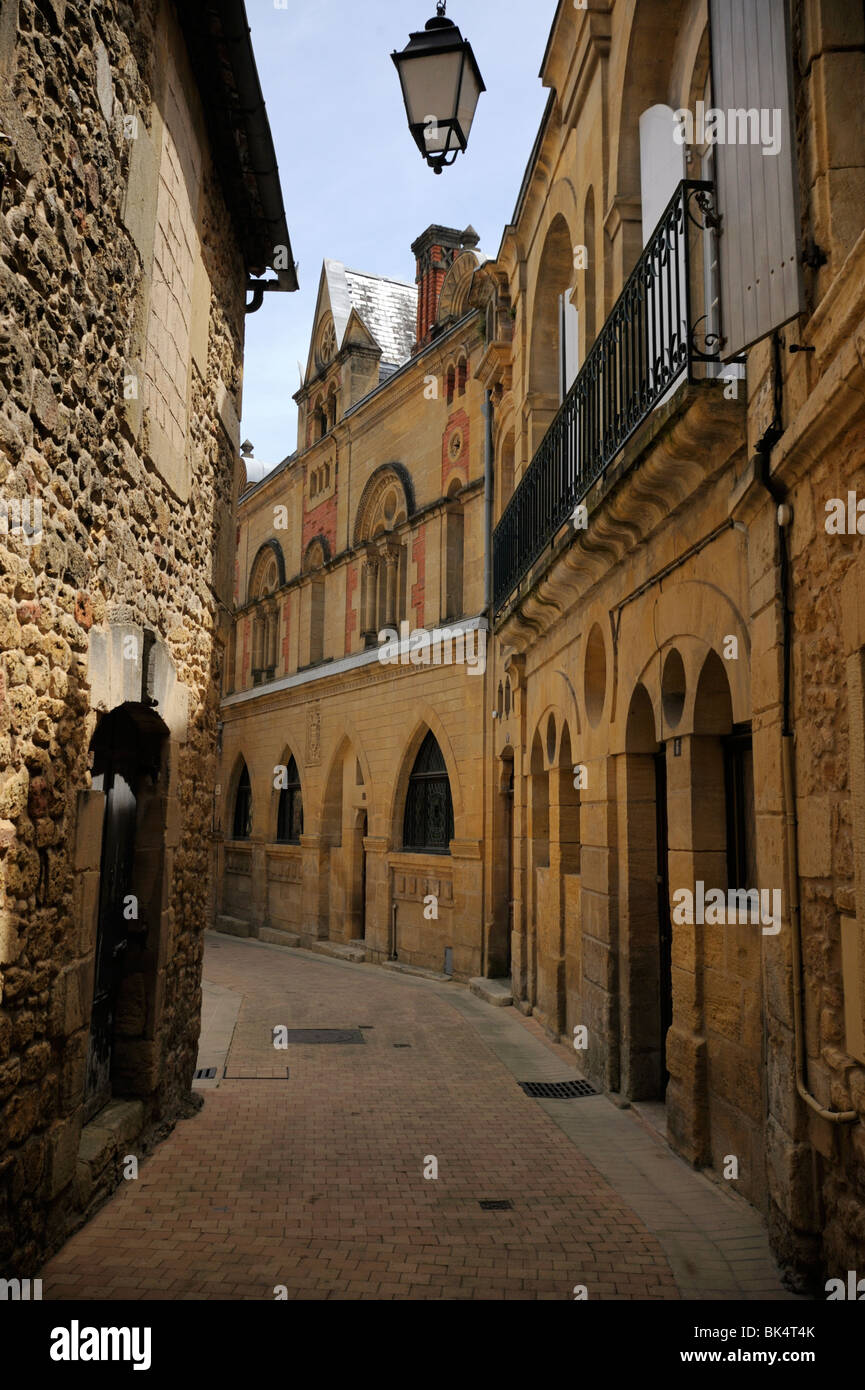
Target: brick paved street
{"type": "Point", "coordinates": [316, 1181]}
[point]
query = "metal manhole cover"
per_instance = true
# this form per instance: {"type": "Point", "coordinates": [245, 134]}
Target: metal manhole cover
{"type": "Point", "coordinates": [558, 1090]}
{"type": "Point", "coordinates": [322, 1035]}
{"type": "Point", "coordinates": [497, 1206]}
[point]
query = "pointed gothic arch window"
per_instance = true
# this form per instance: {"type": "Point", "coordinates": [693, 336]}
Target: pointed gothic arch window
{"type": "Point", "coordinates": [429, 813]}
{"type": "Point", "coordinates": [289, 820]}
{"type": "Point", "coordinates": [242, 828]}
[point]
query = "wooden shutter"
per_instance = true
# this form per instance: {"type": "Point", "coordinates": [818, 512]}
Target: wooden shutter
{"type": "Point", "coordinates": [761, 279]}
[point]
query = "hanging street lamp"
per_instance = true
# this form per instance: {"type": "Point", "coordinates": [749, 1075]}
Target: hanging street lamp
{"type": "Point", "coordinates": [441, 84]}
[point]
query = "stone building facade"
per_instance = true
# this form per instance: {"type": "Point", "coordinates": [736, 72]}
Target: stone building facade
{"type": "Point", "coordinates": [130, 225]}
{"type": "Point", "coordinates": [685, 652]}
{"type": "Point", "coordinates": [658, 787]}
{"type": "Point", "coordinates": [349, 818]}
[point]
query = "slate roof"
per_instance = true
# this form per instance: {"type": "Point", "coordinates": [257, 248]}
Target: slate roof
{"type": "Point", "coordinates": [386, 307]}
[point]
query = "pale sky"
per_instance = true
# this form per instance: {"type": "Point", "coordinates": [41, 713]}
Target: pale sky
{"type": "Point", "coordinates": [355, 186]}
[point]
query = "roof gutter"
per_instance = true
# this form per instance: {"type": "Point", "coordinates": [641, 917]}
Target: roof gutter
{"type": "Point", "coordinates": [241, 116]}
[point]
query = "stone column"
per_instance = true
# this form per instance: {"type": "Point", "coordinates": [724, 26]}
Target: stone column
{"type": "Point", "coordinates": [369, 580]}
{"type": "Point", "coordinates": [378, 897]}
{"type": "Point", "coordinates": [697, 851]}
{"type": "Point", "coordinates": [390, 560]}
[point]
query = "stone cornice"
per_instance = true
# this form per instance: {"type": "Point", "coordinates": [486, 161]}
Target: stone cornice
{"type": "Point", "coordinates": [623, 208]}
{"type": "Point", "coordinates": [495, 367]}
{"type": "Point", "coordinates": [593, 47]}
{"type": "Point", "coordinates": [350, 673]}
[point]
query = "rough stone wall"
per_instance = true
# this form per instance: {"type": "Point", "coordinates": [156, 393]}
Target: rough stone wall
{"type": "Point", "coordinates": [118, 546]}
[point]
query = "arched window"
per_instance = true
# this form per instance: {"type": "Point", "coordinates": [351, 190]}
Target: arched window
{"type": "Point", "coordinates": [429, 810]}
{"type": "Point", "coordinates": [289, 820]}
{"type": "Point", "coordinates": [451, 383]}
{"type": "Point", "coordinates": [243, 807]}
{"type": "Point", "coordinates": [462, 374]}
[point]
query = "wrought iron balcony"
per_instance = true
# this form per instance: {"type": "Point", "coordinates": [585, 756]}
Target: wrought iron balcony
{"type": "Point", "coordinates": [649, 340]}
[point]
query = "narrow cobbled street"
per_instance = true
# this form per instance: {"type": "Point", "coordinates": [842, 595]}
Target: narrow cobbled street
{"type": "Point", "coordinates": [312, 1184]}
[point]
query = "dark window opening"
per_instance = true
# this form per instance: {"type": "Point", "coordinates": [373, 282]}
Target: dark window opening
{"type": "Point", "coordinates": [429, 812]}
{"type": "Point", "coordinates": [741, 821]}
{"type": "Point", "coordinates": [289, 821]}
{"type": "Point", "coordinates": [243, 807]}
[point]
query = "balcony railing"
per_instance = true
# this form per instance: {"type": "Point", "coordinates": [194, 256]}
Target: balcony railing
{"type": "Point", "coordinates": [646, 344]}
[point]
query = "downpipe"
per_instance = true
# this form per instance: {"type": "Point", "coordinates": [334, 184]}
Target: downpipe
{"type": "Point", "coordinates": [784, 516]}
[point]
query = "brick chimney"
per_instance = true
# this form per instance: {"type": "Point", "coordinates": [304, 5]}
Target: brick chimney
{"type": "Point", "coordinates": [435, 251]}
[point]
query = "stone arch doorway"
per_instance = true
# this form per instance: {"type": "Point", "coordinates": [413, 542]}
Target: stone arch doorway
{"type": "Point", "coordinates": [646, 940]}
{"type": "Point", "coordinates": [502, 923]}
{"type": "Point", "coordinates": [551, 305]}
{"type": "Point", "coordinates": [130, 771]}
{"type": "Point", "coordinates": [344, 826]}
{"type": "Point", "coordinates": [363, 833]}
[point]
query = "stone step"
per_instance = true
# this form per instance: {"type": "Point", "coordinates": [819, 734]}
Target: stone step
{"type": "Point", "coordinates": [415, 970]}
{"type": "Point", "coordinates": [234, 926]}
{"type": "Point", "coordinates": [498, 992]}
{"type": "Point", "coordinates": [275, 936]}
{"type": "Point", "coordinates": [336, 949]}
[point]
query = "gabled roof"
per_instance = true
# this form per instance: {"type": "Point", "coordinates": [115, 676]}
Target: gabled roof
{"type": "Point", "coordinates": [363, 306]}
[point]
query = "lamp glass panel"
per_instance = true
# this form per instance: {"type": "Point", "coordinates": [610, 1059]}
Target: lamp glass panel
{"type": "Point", "coordinates": [468, 99]}
{"type": "Point", "coordinates": [430, 86]}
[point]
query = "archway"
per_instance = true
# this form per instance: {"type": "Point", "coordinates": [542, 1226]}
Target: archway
{"type": "Point", "coordinates": [547, 367]}
{"type": "Point", "coordinates": [130, 769]}
{"type": "Point", "coordinates": [343, 830]}
{"type": "Point", "coordinates": [645, 940]}
{"type": "Point", "coordinates": [498, 964]}
{"type": "Point", "coordinates": [539, 855]}
{"type": "Point", "coordinates": [729, 961]}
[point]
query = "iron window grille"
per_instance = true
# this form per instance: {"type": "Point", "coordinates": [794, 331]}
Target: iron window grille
{"type": "Point", "coordinates": [429, 812]}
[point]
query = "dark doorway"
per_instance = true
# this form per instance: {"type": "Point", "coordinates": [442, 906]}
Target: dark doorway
{"type": "Point", "coordinates": [363, 834]}
{"type": "Point", "coordinates": [509, 830]}
{"type": "Point", "coordinates": [126, 766]}
{"type": "Point", "coordinates": [665, 927]}
{"type": "Point", "coordinates": [741, 819]}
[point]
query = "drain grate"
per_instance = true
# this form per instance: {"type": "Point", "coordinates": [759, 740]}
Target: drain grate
{"type": "Point", "coordinates": [497, 1206]}
{"type": "Point", "coordinates": [402, 1044]}
{"type": "Point", "coordinates": [324, 1035]}
{"type": "Point", "coordinates": [205, 1074]}
{"type": "Point", "coordinates": [265, 1074]}
{"type": "Point", "coordinates": [558, 1090]}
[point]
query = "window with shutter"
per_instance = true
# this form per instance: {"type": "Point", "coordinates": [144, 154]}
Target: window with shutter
{"type": "Point", "coordinates": [755, 169]}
